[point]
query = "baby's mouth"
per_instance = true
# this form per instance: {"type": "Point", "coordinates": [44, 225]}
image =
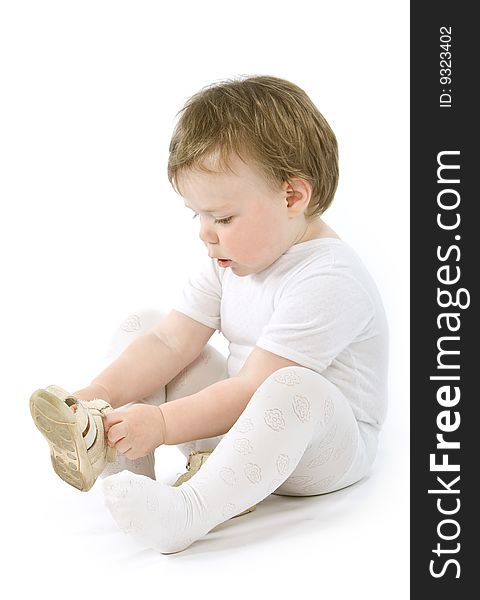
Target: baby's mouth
{"type": "Point", "coordinates": [224, 262]}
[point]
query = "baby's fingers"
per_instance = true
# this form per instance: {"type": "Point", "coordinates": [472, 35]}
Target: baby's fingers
{"type": "Point", "coordinates": [116, 416]}
{"type": "Point", "coordinates": [116, 433]}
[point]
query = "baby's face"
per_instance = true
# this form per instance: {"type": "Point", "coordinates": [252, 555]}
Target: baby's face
{"type": "Point", "coordinates": [244, 223]}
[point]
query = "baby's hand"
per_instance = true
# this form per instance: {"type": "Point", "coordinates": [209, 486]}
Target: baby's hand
{"type": "Point", "coordinates": [136, 431]}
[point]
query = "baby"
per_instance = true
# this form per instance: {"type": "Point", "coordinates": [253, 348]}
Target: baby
{"type": "Point", "coordinates": [297, 406]}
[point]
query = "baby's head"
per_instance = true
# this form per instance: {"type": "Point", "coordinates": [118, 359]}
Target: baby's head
{"type": "Point", "coordinates": [240, 145]}
{"type": "Point", "coordinates": [267, 121]}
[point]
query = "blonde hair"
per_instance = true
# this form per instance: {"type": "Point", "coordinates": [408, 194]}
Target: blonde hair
{"type": "Point", "coordinates": [265, 119]}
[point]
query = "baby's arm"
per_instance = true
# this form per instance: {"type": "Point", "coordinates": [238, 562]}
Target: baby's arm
{"type": "Point", "coordinates": [150, 361]}
{"type": "Point", "coordinates": [215, 409]}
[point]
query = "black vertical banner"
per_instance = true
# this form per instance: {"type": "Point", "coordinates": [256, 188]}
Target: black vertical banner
{"type": "Point", "coordinates": [445, 254]}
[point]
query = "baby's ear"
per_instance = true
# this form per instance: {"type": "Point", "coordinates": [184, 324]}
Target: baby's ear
{"type": "Point", "coordinates": [298, 194]}
{"type": "Point", "coordinates": [291, 197]}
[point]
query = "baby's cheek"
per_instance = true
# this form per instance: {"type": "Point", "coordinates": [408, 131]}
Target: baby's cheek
{"type": "Point", "coordinates": [248, 245]}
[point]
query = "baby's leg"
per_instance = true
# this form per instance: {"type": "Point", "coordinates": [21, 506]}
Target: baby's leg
{"type": "Point", "coordinates": [207, 369]}
{"type": "Point", "coordinates": [292, 409]}
{"type": "Point", "coordinates": [337, 456]}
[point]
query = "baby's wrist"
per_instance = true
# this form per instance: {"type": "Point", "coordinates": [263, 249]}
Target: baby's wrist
{"type": "Point", "coordinates": [100, 391]}
{"type": "Point", "coordinates": [162, 427]}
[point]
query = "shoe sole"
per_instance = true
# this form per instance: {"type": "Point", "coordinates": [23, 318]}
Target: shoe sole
{"type": "Point", "coordinates": [56, 422]}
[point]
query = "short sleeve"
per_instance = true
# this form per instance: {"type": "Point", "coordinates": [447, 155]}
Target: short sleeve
{"type": "Point", "coordinates": [201, 296]}
{"type": "Point", "coordinates": [316, 317]}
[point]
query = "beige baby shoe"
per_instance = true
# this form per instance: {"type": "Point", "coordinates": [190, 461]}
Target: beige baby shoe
{"type": "Point", "coordinates": [195, 461]}
{"type": "Point", "coordinates": [76, 437]}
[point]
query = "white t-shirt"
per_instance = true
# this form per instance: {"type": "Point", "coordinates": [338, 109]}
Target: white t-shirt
{"type": "Point", "coordinates": [316, 305]}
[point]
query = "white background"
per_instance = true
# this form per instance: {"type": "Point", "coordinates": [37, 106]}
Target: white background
{"type": "Point", "coordinates": [91, 231]}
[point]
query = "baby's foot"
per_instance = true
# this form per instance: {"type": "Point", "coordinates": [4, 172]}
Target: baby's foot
{"type": "Point", "coordinates": [158, 516]}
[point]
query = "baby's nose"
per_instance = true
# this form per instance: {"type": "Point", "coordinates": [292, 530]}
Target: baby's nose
{"type": "Point", "coordinates": [207, 233]}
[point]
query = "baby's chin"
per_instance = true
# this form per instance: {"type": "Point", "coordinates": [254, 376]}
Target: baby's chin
{"type": "Point", "coordinates": [244, 270]}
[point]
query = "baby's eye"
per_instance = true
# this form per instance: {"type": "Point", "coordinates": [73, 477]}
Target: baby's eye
{"type": "Point", "coordinates": [224, 221]}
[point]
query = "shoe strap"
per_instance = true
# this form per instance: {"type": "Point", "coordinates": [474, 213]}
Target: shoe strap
{"type": "Point", "coordinates": [85, 417]}
{"type": "Point", "coordinates": [196, 459]}
{"type": "Point", "coordinates": [85, 420]}
{"type": "Point", "coordinates": [103, 408]}
{"type": "Point", "coordinates": [90, 434]}
{"type": "Point", "coordinates": [101, 405]}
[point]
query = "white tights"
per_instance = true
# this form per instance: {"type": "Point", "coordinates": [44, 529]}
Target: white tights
{"type": "Point", "coordinates": [297, 436]}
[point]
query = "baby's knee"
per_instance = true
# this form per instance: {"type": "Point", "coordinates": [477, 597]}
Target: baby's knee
{"type": "Point", "coordinates": [302, 391]}
{"type": "Point", "coordinates": [132, 326]}
{"type": "Point", "coordinates": [295, 378]}
{"type": "Point", "coordinates": [287, 393]}
{"type": "Point", "coordinates": [141, 321]}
